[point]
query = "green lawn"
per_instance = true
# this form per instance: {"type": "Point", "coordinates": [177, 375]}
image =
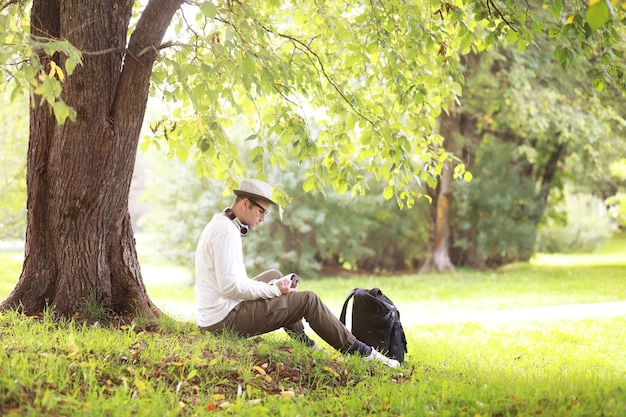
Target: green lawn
{"type": "Point", "coordinates": [523, 367]}
{"type": "Point", "coordinates": [549, 280]}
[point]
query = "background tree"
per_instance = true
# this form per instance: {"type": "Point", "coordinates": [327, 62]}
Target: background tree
{"type": "Point", "coordinates": [315, 235]}
{"type": "Point", "coordinates": [564, 53]}
{"type": "Point", "coordinates": [438, 257]}
{"type": "Point", "coordinates": [453, 126]}
{"type": "Point", "coordinates": [534, 123]}
{"type": "Point", "coordinates": [617, 202]}
{"type": "Point", "coordinates": [482, 214]}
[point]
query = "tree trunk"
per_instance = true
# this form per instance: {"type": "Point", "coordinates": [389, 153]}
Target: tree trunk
{"type": "Point", "coordinates": [79, 241]}
{"type": "Point", "coordinates": [450, 124]}
{"type": "Point", "coordinates": [438, 258]}
{"type": "Point", "coordinates": [544, 177]}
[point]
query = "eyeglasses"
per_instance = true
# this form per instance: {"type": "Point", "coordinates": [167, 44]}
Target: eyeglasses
{"type": "Point", "coordinates": [264, 212]}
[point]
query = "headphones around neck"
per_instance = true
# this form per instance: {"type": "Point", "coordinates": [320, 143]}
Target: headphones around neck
{"type": "Point", "coordinates": [243, 228]}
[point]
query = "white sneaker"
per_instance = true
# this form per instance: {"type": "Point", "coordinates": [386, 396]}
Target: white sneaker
{"type": "Point", "coordinates": [377, 356]}
{"type": "Point", "coordinates": [315, 347]}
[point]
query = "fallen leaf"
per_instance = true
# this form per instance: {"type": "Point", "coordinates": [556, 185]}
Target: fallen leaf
{"type": "Point", "coordinates": [330, 371]}
{"type": "Point", "coordinates": [260, 370]}
{"type": "Point", "coordinates": [386, 404]}
{"type": "Point", "coordinates": [73, 351]}
{"type": "Point", "coordinates": [288, 395]}
{"type": "Point", "coordinates": [140, 384]}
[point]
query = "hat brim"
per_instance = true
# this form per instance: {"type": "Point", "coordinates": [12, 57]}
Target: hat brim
{"type": "Point", "coordinates": [240, 193]}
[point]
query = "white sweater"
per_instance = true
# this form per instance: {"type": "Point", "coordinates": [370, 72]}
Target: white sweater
{"type": "Point", "coordinates": [221, 278]}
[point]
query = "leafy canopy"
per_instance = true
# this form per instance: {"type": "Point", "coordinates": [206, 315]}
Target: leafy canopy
{"type": "Point", "coordinates": [345, 89]}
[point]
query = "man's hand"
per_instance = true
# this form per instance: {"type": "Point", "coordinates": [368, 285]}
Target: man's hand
{"type": "Point", "coordinates": [284, 285]}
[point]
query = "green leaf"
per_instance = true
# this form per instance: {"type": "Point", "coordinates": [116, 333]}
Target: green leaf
{"type": "Point", "coordinates": [248, 66]}
{"type": "Point", "coordinates": [556, 8]}
{"type": "Point", "coordinates": [208, 9]}
{"type": "Point", "coordinates": [182, 152]}
{"type": "Point", "coordinates": [204, 144]}
{"type": "Point", "coordinates": [61, 111]}
{"type": "Point", "coordinates": [17, 92]}
{"type": "Point", "coordinates": [599, 85]}
{"type": "Point", "coordinates": [258, 158]}
{"type": "Point", "coordinates": [511, 37]}
{"type": "Point", "coordinates": [192, 373]}
{"type": "Point", "coordinates": [145, 144]}
{"type": "Point", "coordinates": [597, 15]}
{"type": "Point", "coordinates": [561, 55]}
{"type": "Point", "coordinates": [73, 60]}
{"type": "Point", "coordinates": [388, 193]}
{"type": "Point", "coordinates": [309, 184]}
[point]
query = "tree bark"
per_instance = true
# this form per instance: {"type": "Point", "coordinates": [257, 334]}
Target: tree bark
{"type": "Point", "coordinates": [79, 240]}
{"type": "Point", "coordinates": [438, 258]}
{"type": "Point", "coordinates": [451, 123]}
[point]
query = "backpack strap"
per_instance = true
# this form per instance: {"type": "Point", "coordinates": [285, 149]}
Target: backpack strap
{"type": "Point", "coordinates": [342, 317]}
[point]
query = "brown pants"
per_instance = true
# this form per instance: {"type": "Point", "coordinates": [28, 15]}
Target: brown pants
{"type": "Point", "coordinates": [254, 317]}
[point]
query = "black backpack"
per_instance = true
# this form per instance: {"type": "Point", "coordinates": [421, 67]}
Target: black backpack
{"type": "Point", "coordinates": [376, 322]}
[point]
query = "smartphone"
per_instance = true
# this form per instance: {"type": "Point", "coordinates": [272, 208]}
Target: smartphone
{"type": "Point", "coordinates": [295, 280]}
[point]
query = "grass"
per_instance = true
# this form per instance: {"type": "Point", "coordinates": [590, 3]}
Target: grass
{"type": "Point", "coordinates": [548, 280]}
{"type": "Point", "coordinates": [561, 367]}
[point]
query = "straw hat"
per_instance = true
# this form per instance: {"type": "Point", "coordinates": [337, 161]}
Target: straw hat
{"type": "Point", "coordinates": [255, 189]}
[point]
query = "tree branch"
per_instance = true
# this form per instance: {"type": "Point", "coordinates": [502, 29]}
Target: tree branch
{"type": "Point", "coordinates": [105, 51]}
{"type": "Point", "coordinates": [317, 63]}
{"type": "Point", "coordinates": [320, 64]}
{"type": "Point", "coordinates": [490, 4]}
{"type": "Point", "coordinates": [8, 3]}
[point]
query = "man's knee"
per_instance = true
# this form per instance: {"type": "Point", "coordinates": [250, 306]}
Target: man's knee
{"type": "Point", "coordinates": [310, 298]}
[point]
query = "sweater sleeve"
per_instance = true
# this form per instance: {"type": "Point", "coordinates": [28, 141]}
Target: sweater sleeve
{"type": "Point", "coordinates": [230, 271]}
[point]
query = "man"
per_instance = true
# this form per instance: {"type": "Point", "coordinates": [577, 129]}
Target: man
{"type": "Point", "coordinates": [227, 299]}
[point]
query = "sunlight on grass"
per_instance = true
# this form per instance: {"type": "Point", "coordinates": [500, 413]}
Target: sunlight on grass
{"type": "Point", "coordinates": [540, 368]}
{"type": "Point", "coordinates": [579, 259]}
{"type": "Point", "coordinates": [616, 245]}
{"type": "Point", "coordinates": [611, 253]}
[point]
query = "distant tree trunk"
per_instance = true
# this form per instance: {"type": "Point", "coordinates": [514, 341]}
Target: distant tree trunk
{"type": "Point", "coordinates": [451, 124]}
{"type": "Point", "coordinates": [438, 258]}
{"type": "Point", "coordinates": [545, 176]}
{"type": "Point", "coordinates": [79, 241]}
